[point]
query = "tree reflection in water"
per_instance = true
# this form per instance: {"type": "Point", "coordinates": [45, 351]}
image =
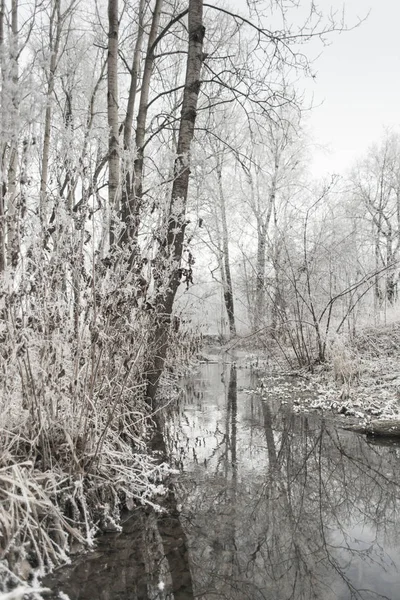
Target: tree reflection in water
{"type": "Point", "coordinates": [283, 506]}
{"type": "Point", "coordinates": [270, 505]}
{"type": "Point", "coordinates": [147, 560]}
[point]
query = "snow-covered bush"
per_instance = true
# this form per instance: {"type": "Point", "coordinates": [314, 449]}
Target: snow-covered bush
{"type": "Point", "coordinates": [73, 417]}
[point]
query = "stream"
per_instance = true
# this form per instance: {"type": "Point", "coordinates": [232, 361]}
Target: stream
{"type": "Point", "coordinates": [268, 505]}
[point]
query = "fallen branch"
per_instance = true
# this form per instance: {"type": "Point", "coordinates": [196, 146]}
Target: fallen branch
{"type": "Point", "coordinates": [384, 428]}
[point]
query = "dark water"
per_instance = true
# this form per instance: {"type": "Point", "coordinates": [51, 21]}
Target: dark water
{"type": "Point", "coordinates": [270, 505]}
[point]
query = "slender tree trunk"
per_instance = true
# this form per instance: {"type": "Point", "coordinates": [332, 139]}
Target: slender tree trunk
{"type": "Point", "coordinates": [13, 208]}
{"type": "Point", "coordinates": [133, 201]}
{"type": "Point", "coordinates": [263, 221]}
{"type": "Point", "coordinates": [311, 301]}
{"type": "Point", "coordinates": [2, 133]}
{"type": "Point", "coordinates": [134, 77]}
{"type": "Point", "coordinates": [127, 198]}
{"type": "Point", "coordinates": [377, 288]}
{"type": "Point", "coordinates": [390, 279]}
{"type": "Point", "coordinates": [278, 312]}
{"type": "Point", "coordinates": [260, 274]}
{"type": "Point", "coordinates": [227, 277]}
{"type": "Point", "coordinates": [112, 112]}
{"type": "Point", "coordinates": [171, 251]}
{"type": "Point", "coordinates": [220, 259]}
{"type": "Point", "coordinates": [54, 39]}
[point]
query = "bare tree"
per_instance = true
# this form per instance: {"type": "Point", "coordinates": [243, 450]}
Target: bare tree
{"type": "Point", "coordinates": [57, 22]}
{"type": "Point", "coordinates": [376, 181]}
{"type": "Point", "coordinates": [168, 273]}
{"type": "Point", "coordinates": [112, 112]}
{"type": "Point", "coordinates": [226, 263]}
{"type": "Point", "coordinates": [2, 164]}
{"type": "Point", "coordinates": [13, 209]}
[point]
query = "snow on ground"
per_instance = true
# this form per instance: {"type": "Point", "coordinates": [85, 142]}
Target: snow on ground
{"type": "Point", "coordinates": [363, 382]}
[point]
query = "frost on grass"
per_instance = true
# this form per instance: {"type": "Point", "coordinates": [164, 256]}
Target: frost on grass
{"type": "Point", "coordinates": [14, 588]}
{"type": "Point", "coordinates": [360, 380]}
{"type": "Point", "coordinates": [74, 425]}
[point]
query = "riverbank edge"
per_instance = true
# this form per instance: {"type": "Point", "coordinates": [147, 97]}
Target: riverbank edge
{"type": "Point", "coordinates": [65, 510]}
{"type": "Point", "coordinates": [358, 385]}
{"type": "Point", "coordinates": [368, 404]}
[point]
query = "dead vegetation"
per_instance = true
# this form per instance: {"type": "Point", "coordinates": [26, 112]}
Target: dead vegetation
{"type": "Point", "coordinates": [375, 342]}
{"type": "Point", "coordinates": [359, 381]}
{"type": "Point", "coordinates": [74, 421]}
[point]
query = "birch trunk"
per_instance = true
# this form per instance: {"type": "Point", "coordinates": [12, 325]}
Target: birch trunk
{"type": "Point", "coordinates": [2, 132]}
{"type": "Point", "coordinates": [263, 221]}
{"type": "Point", "coordinates": [112, 113]}
{"type": "Point", "coordinates": [54, 42]}
{"type": "Point", "coordinates": [13, 212]}
{"type": "Point", "coordinates": [226, 276]}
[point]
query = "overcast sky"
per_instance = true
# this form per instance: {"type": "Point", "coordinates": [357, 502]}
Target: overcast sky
{"type": "Point", "coordinates": [358, 84]}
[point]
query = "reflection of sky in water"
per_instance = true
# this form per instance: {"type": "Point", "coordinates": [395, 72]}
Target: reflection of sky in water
{"type": "Point", "coordinates": [269, 506]}
{"type": "Point", "coordinates": [205, 421]}
{"type": "Point", "coordinates": [377, 566]}
{"type": "Point", "coordinates": [320, 522]}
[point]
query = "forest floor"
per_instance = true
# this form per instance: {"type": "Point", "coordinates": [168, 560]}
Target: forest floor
{"type": "Point", "coordinates": [359, 383]}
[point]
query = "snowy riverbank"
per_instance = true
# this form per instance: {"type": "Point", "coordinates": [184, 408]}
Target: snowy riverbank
{"type": "Point", "coordinates": [359, 383]}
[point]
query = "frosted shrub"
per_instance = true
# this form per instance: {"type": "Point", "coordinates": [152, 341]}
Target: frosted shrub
{"type": "Point", "coordinates": [345, 364]}
{"type": "Point", "coordinates": [73, 419]}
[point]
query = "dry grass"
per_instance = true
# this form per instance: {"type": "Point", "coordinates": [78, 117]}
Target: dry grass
{"type": "Point", "coordinates": [345, 361]}
{"type": "Point", "coordinates": [74, 425]}
{"type": "Point", "coordinates": [375, 342]}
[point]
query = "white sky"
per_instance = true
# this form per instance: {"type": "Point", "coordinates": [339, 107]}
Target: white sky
{"type": "Point", "coordinates": [357, 89]}
{"type": "Point", "coordinates": [358, 84]}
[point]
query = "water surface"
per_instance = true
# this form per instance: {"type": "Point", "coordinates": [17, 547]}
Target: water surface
{"type": "Point", "coordinates": [269, 505]}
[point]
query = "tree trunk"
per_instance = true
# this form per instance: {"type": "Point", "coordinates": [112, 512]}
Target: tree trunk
{"type": "Point", "coordinates": [13, 212]}
{"type": "Point", "coordinates": [133, 197]}
{"type": "Point", "coordinates": [260, 276]}
{"type": "Point", "coordinates": [55, 38]}
{"type": "Point", "coordinates": [377, 288]}
{"type": "Point", "coordinates": [127, 197]}
{"type": "Point", "coordinates": [390, 259]}
{"type": "Point", "coordinates": [134, 77]}
{"type": "Point", "coordinates": [226, 265]}
{"type": "Point", "coordinates": [112, 112]}
{"type": "Point", "coordinates": [2, 162]}
{"type": "Point", "coordinates": [263, 220]}
{"type": "Point", "coordinates": [278, 312]}
{"type": "Point", "coordinates": [168, 275]}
